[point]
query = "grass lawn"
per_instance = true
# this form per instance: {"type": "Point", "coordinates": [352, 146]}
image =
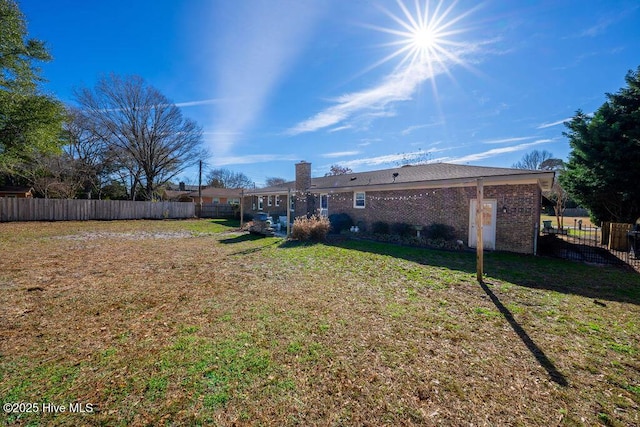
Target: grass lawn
{"type": "Point", "coordinates": [567, 221]}
{"type": "Point", "coordinates": [187, 322]}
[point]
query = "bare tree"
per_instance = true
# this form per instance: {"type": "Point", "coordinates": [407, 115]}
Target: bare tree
{"type": "Point", "coordinates": [274, 181]}
{"type": "Point", "coordinates": [225, 178]}
{"type": "Point", "coordinates": [533, 160]}
{"type": "Point", "coordinates": [92, 162]}
{"type": "Point", "coordinates": [51, 176]}
{"type": "Point", "coordinates": [143, 130]}
{"type": "Point", "coordinates": [557, 193]}
{"type": "Point", "coordinates": [338, 170]}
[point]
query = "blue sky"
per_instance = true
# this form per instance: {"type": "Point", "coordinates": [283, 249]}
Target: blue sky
{"type": "Point", "coordinates": [362, 83]}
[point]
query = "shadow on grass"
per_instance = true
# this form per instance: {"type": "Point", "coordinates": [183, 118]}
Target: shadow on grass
{"type": "Point", "coordinates": [536, 351]}
{"type": "Point", "coordinates": [602, 283]}
{"type": "Point", "coordinates": [227, 222]}
{"type": "Point", "coordinates": [246, 237]}
{"type": "Point", "coordinates": [461, 261]}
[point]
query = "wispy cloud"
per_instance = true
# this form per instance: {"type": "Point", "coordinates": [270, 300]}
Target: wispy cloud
{"type": "Point", "coordinates": [548, 125]}
{"type": "Point", "coordinates": [400, 157]}
{"type": "Point", "coordinates": [493, 152]}
{"type": "Point", "coordinates": [604, 22]}
{"type": "Point", "coordinates": [414, 128]}
{"type": "Point", "coordinates": [597, 29]}
{"type": "Point", "coordinates": [340, 154]}
{"type": "Point", "coordinates": [340, 128]}
{"type": "Point", "coordinates": [253, 158]}
{"type": "Point", "coordinates": [398, 86]}
{"type": "Point", "coordinates": [507, 140]}
{"type": "Point", "coordinates": [384, 159]}
{"type": "Point", "coordinates": [200, 102]}
{"type": "Point", "coordinates": [257, 45]}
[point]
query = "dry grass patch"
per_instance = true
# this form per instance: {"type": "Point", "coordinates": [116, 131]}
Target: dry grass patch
{"type": "Point", "coordinates": [189, 322]}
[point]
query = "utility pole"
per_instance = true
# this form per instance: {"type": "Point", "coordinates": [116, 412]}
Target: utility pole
{"type": "Point", "coordinates": [200, 185]}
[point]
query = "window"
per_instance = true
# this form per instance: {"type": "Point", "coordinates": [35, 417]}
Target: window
{"type": "Point", "coordinates": [268, 200]}
{"type": "Point", "coordinates": [277, 200]}
{"type": "Point", "coordinates": [216, 200]}
{"type": "Point", "coordinates": [260, 203]}
{"type": "Point", "coordinates": [359, 200]}
{"type": "Point", "coordinates": [292, 204]}
{"type": "Point", "coordinates": [233, 201]}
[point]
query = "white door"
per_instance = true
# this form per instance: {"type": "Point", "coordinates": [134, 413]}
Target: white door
{"type": "Point", "coordinates": [489, 211]}
{"type": "Point", "coordinates": [324, 205]}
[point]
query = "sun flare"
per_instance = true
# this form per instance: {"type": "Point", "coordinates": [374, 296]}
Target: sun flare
{"type": "Point", "coordinates": [425, 35]}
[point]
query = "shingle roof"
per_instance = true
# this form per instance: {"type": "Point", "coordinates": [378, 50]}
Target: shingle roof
{"type": "Point", "coordinates": [415, 174]}
{"type": "Point", "coordinates": [217, 192]}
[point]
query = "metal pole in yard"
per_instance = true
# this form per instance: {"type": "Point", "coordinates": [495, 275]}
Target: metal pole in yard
{"type": "Point", "coordinates": [288, 212]}
{"type": "Point", "coordinates": [241, 208]}
{"type": "Point", "coordinates": [479, 241]}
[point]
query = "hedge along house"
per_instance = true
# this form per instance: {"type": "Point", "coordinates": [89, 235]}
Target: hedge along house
{"type": "Point", "coordinates": [420, 195]}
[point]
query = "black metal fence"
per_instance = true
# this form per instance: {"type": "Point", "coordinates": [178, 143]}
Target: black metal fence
{"type": "Point", "coordinates": [615, 244]}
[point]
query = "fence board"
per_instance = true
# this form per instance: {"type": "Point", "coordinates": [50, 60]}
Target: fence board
{"type": "Point", "coordinates": [618, 236]}
{"type": "Point", "coordinates": [14, 209]}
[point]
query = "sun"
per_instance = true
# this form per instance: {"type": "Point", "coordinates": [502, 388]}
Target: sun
{"type": "Point", "coordinates": [423, 39]}
{"type": "Point", "coordinates": [425, 36]}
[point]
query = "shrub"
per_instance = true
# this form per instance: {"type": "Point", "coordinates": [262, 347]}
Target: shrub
{"type": "Point", "coordinates": [402, 229]}
{"type": "Point", "coordinates": [315, 228]}
{"type": "Point", "coordinates": [439, 231]}
{"type": "Point", "coordinates": [380, 227]}
{"type": "Point", "coordinates": [340, 222]}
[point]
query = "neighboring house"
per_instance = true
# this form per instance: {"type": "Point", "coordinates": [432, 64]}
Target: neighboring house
{"type": "Point", "coordinates": [16, 192]}
{"type": "Point", "coordinates": [210, 195]}
{"type": "Point", "coordinates": [176, 196]}
{"type": "Point", "coordinates": [420, 195]}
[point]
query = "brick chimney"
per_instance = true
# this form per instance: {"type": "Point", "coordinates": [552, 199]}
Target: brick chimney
{"type": "Point", "coordinates": [303, 176]}
{"type": "Point", "coordinates": [304, 199]}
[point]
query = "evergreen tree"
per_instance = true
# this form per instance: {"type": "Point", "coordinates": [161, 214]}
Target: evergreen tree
{"type": "Point", "coordinates": [603, 172]}
{"type": "Point", "coordinates": [30, 122]}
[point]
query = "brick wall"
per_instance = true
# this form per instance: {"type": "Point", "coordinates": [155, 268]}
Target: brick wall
{"type": "Point", "coordinates": [249, 202]}
{"type": "Point", "coordinates": [514, 229]}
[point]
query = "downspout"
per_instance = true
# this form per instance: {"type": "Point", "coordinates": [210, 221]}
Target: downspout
{"type": "Point", "coordinates": [535, 239]}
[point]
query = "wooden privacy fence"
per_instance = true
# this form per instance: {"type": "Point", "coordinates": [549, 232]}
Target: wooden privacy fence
{"type": "Point", "coordinates": [614, 235]}
{"type": "Point", "coordinates": [82, 210]}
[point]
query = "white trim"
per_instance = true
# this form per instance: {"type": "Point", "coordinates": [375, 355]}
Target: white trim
{"type": "Point", "coordinates": [355, 199]}
{"type": "Point", "coordinates": [489, 231]}
{"type": "Point", "coordinates": [324, 211]}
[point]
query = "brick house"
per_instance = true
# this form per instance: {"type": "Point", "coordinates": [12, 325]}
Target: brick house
{"type": "Point", "coordinates": [420, 195]}
{"type": "Point", "coordinates": [210, 195]}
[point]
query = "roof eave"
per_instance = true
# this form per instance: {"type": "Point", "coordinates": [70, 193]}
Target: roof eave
{"type": "Point", "coordinates": [544, 180]}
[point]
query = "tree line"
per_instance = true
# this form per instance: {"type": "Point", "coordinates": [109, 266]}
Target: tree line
{"type": "Point", "coordinates": [602, 173]}
{"type": "Point", "coordinates": [125, 139]}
